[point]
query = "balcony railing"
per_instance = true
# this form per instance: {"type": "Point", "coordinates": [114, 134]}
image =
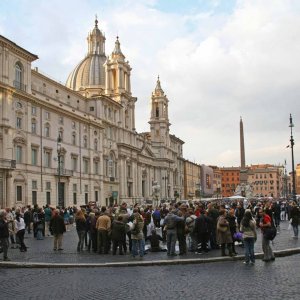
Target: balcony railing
{"type": "Point", "coordinates": [7, 163]}
{"type": "Point", "coordinates": [19, 85]}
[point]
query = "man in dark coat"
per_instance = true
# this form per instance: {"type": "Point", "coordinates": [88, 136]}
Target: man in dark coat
{"type": "Point", "coordinates": [118, 235]}
{"type": "Point", "coordinates": [202, 231]}
{"type": "Point", "coordinates": [57, 228]}
{"type": "Point", "coordinates": [4, 234]}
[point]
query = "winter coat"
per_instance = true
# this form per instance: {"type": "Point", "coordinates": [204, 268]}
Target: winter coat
{"type": "Point", "coordinates": [202, 225]}
{"type": "Point", "coordinates": [118, 232]}
{"type": "Point", "coordinates": [223, 237]}
{"type": "Point", "coordinates": [139, 235]}
{"type": "Point", "coordinates": [250, 231]}
{"type": "Point", "coordinates": [57, 225]}
{"type": "Point", "coordinates": [80, 224]}
{"type": "Point", "coordinates": [295, 216]}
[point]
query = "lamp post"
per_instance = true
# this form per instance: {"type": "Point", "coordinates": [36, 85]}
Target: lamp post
{"type": "Point", "coordinates": [292, 149]}
{"type": "Point", "coordinates": [59, 170]}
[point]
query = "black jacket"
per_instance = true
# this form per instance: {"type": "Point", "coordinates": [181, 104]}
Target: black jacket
{"type": "Point", "coordinates": [4, 233]}
{"type": "Point", "coordinates": [118, 232]}
{"type": "Point", "coordinates": [57, 225]}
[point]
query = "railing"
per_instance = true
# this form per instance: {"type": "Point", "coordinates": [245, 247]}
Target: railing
{"type": "Point", "coordinates": [19, 85]}
{"type": "Point", "coordinates": [7, 163]}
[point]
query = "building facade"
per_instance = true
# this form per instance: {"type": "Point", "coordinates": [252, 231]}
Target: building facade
{"type": "Point", "coordinates": [75, 143]}
{"type": "Point", "coordinates": [192, 180]}
{"type": "Point", "coordinates": [207, 177]}
{"type": "Point", "coordinates": [266, 180]}
{"type": "Point", "coordinates": [217, 182]}
{"type": "Point", "coordinates": [230, 180]}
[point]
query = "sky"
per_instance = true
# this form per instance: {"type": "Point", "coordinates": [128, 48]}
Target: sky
{"type": "Point", "coordinates": [218, 60]}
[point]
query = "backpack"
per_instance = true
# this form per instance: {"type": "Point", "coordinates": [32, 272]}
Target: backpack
{"type": "Point", "coordinates": [36, 218]}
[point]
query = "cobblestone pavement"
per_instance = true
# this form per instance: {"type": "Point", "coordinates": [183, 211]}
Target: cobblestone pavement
{"type": "Point", "coordinates": [225, 280]}
{"type": "Point", "coordinates": [41, 250]}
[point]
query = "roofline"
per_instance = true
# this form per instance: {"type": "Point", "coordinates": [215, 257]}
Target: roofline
{"type": "Point", "coordinates": [32, 56]}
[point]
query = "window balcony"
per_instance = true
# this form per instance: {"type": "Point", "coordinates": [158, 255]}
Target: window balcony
{"type": "Point", "coordinates": [19, 85]}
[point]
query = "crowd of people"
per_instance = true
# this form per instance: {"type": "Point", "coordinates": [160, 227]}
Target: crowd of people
{"type": "Point", "coordinates": [197, 227]}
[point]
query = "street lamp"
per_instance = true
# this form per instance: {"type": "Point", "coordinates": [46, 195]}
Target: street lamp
{"type": "Point", "coordinates": [292, 149]}
{"type": "Point", "coordinates": [60, 204]}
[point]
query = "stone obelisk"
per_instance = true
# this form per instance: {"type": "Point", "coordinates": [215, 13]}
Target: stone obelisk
{"type": "Point", "coordinates": [243, 172]}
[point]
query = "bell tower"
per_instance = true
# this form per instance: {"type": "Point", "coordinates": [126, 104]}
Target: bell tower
{"type": "Point", "coordinates": [117, 72]}
{"type": "Point", "coordinates": [159, 119]}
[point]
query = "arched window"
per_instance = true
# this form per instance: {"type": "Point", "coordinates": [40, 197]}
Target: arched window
{"type": "Point", "coordinates": [61, 133]}
{"type": "Point", "coordinates": [96, 145]}
{"type": "Point", "coordinates": [156, 112]}
{"type": "Point", "coordinates": [18, 75]}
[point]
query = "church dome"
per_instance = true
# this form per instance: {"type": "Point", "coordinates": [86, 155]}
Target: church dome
{"type": "Point", "coordinates": [90, 72]}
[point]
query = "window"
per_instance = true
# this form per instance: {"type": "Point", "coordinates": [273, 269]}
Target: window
{"type": "Point", "coordinates": [47, 115]}
{"type": "Point", "coordinates": [96, 145]}
{"type": "Point", "coordinates": [75, 198]}
{"type": "Point", "coordinates": [48, 185]}
{"type": "Point", "coordinates": [86, 188]}
{"type": "Point", "coordinates": [34, 154]}
{"type": "Point", "coordinates": [34, 184]}
{"type": "Point", "coordinates": [33, 126]}
{"type": "Point", "coordinates": [74, 187]}
{"type": "Point", "coordinates": [19, 122]}
{"type": "Point", "coordinates": [48, 198]}
{"type": "Point", "coordinates": [74, 163]}
{"type": "Point", "coordinates": [85, 166]}
{"type": "Point", "coordinates": [34, 197]}
{"type": "Point", "coordinates": [61, 120]}
{"type": "Point", "coordinates": [33, 110]}
{"type": "Point", "coordinates": [73, 125]}
{"type": "Point", "coordinates": [18, 83]}
{"type": "Point", "coordinates": [19, 193]}
{"type": "Point", "coordinates": [96, 167]}
{"type": "Point", "coordinates": [47, 130]}
{"type": "Point", "coordinates": [92, 108]}
{"type": "Point", "coordinates": [19, 154]}
{"type": "Point", "coordinates": [129, 171]}
{"type": "Point", "coordinates": [47, 159]}
{"type": "Point", "coordinates": [86, 198]}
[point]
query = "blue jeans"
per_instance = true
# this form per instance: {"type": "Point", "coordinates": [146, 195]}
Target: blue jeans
{"type": "Point", "coordinates": [138, 245]}
{"type": "Point", "coordinates": [171, 241]}
{"type": "Point", "coordinates": [249, 250]}
{"type": "Point", "coordinates": [81, 235]}
{"type": "Point", "coordinates": [295, 228]}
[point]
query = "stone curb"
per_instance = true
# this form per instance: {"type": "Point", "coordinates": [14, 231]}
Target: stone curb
{"type": "Point", "coordinates": [278, 253]}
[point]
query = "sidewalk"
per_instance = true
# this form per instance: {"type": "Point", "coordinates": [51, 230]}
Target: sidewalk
{"type": "Point", "coordinates": [40, 253]}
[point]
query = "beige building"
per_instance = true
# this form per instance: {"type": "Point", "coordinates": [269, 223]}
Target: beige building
{"type": "Point", "coordinates": [217, 182]}
{"type": "Point", "coordinates": [192, 180]}
{"type": "Point", "coordinates": [266, 180]}
{"type": "Point", "coordinates": [298, 179]}
{"type": "Point", "coordinates": [75, 143]}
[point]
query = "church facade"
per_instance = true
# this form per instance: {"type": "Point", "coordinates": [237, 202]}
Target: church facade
{"type": "Point", "coordinates": [77, 143]}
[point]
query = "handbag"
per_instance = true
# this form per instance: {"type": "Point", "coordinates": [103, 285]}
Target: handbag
{"type": "Point", "coordinates": [270, 233]}
{"type": "Point", "coordinates": [221, 228]}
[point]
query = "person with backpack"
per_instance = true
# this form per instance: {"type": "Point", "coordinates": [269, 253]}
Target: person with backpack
{"type": "Point", "coordinates": [170, 224]}
{"type": "Point", "coordinates": [248, 228]}
{"type": "Point", "coordinates": [265, 224]}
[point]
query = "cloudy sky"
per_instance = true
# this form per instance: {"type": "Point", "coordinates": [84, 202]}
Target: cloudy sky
{"type": "Point", "coordinates": [217, 60]}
